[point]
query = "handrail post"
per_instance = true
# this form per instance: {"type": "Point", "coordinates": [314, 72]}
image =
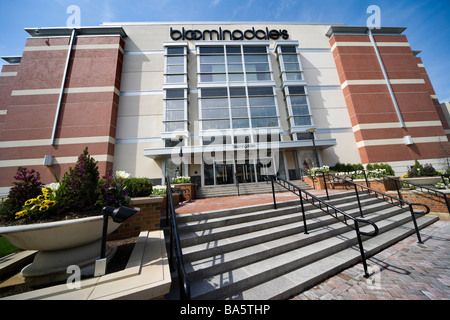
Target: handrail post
{"type": "Point", "coordinates": [361, 250]}
{"type": "Point", "coordinates": [446, 202]}
{"type": "Point", "coordinates": [359, 201]}
{"type": "Point", "coordinates": [325, 183]}
{"type": "Point", "coordinates": [273, 193]}
{"type": "Point", "coordinates": [367, 181]}
{"type": "Point", "coordinates": [398, 192]}
{"type": "Point", "coordinates": [415, 223]}
{"type": "Point", "coordinates": [303, 211]}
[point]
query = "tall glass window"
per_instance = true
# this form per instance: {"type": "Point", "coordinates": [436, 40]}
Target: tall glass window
{"type": "Point", "coordinates": [289, 61]}
{"type": "Point", "coordinates": [238, 108]}
{"type": "Point", "coordinates": [175, 110]}
{"type": "Point", "coordinates": [298, 108]}
{"type": "Point", "coordinates": [175, 93]}
{"type": "Point", "coordinates": [233, 63]}
{"type": "Point", "coordinates": [176, 65]}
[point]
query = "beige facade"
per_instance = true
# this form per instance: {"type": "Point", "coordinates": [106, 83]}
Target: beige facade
{"type": "Point", "coordinates": [141, 108]}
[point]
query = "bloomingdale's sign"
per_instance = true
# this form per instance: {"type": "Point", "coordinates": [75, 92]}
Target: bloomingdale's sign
{"type": "Point", "coordinates": [223, 34]}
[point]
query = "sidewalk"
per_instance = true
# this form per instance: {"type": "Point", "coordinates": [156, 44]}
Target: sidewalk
{"type": "Point", "coordinates": [406, 271]}
{"type": "Point", "coordinates": [211, 204]}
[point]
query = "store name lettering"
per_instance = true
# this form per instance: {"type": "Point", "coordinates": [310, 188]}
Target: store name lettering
{"type": "Point", "coordinates": [223, 34]}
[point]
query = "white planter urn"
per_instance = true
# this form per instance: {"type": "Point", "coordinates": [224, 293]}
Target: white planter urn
{"type": "Point", "coordinates": [60, 245]}
{"type": "Point", "coordinates": [423, 181]}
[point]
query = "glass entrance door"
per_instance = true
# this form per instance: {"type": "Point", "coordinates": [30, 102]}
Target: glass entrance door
{"type": "Point", "coordinates": [245, 173]}
{"type": "Point", "coordinates": [224, 173]}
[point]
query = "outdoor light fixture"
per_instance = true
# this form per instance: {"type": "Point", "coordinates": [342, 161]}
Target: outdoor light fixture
{"type": "Point", "coordinates": [118, 215]}
{"type": "Point", "coordinates": [312, 131]}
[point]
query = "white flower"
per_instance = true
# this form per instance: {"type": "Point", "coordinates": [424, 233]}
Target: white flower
{"type": "Point", "coordinates": [53, 186]}
{"type": "Point", "coordinates": [122, 174]}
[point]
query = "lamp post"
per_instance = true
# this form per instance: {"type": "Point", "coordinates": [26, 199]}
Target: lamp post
{"type": "Point", "coordinates": [181, 138]}
{"type": "Point", "coordinates": [312, 131]}
{"type": "Point", "coordinates": [118, 215]}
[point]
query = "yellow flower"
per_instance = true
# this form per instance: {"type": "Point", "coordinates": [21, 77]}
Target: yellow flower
{"type": "Point", "coordinates": [21, 214]}
{"type": "Point", "coordinates": [44, 208]}
{"type": "Point", "coordinates": [30, 202]}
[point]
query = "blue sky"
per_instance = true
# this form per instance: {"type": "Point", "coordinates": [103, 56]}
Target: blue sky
{"type": "Point", "coordinates": [427, 21]}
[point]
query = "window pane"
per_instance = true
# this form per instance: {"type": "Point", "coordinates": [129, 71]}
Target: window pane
{"type": "Point", "coordinates": [212, 59]}
{"type": "Point", "coordinates": [236, 77]}
{"type": "Point", "coordinates": [214, 103]}
{"type": "Point", "coordinates": [296, 90]}
{"type": "Point", "coordinates": [259, 77]}
{"type": "Point", "coordinates": [292, 67]}
{"type": "Point", "coordinates": [238, 102]}
{"type": "Point", "coordinates": [215, 92]}
{"type": "Point", "coordinates": [175, 94]}
{"type": "Point", "coordinates": [298, 100]}
{"type": "Point", "coordinates": [302, 121]}
{"type": "Point", "coordinates": [216, 124]}
{"type": "Point", "coordinates": [262, 101]}
{"type": "Point", "coordinates": [239, 112]}
{"type": "Point", "coordinates": [256, 58]}
{"type": "Point", "coordinates": [174, 126]}
{"type": "Point", "coordinates": [294, 76]}
{"type": "Point", "coordinates": [233, 49]}
{"type": "Point", "coordinates": [290, 58]}
{"type": "Point", "coordinates": [175, 105]}
{"type": "Point", "coordinates": [211, 50]}
{"type": "Point", "coordinates": [175, 115]}
{"type": "Point", "coordinates": [265, 122]}
{"type": "Point", "coordinates": [253, 49]}
{"type": "Point", "coordinates": [260, 91]}
{"type": "Point", "coordinates": [215, 114]}
{"type": "Point", "coordinates": [234, 59]}
{"type": "Point", "coordinates": [216, 68]}
{"type": "Point", "coordinates": [300, 111]}
{"type": "Point", "coordinates": [237, 92]}
{"type": "Point", "coordinates": [257, 67]}
{"type": "Point", "coordinates": [175, 79]}
{"type": "Point", "coordinates": [235, 68]}
{"type": "Point", "coordinates": [175, 50]}
{"type": "Point", "coordinates": [175, 60]}
{"type": "Point", "coordinates": [288, 49]}
{"type": "Point", "coordinates": [241, 123]}
{"type": "Point", "coordinates": [263, 112]}
{"type": "Point", "coordinates": [220, 77]}
{"type": "Point", "coordinates": [175, 69]}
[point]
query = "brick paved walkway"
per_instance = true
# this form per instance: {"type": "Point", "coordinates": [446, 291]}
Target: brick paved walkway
{"type": "Point", "coordinates": [406, 271]}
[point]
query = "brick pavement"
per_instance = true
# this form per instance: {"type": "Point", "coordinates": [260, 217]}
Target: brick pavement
{"type": "Point", "coordinates": [405, 271]}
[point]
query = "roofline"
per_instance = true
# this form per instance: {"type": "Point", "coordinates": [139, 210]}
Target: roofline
{"type": "Point", "coordinates": [222, 23]}
{"type": "Point", "coordinates": [81, 31]}
{"type": "Point", "coordinates": [12, 59]}
{"type": "Point", "coordinates": [364, 30]}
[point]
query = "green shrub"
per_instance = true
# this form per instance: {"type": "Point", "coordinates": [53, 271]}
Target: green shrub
{"type": "Point", "coordinates": [138, 187]}
{"type": "Point", "coordinates": [82, 183]}
{"type": "Point", "coordinates": [416, 170]}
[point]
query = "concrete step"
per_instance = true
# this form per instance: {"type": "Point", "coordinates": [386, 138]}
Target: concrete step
{"type": "Point", "coordinates": [243, 189]}
{"type": "Point", "coordinates": [233, 254]}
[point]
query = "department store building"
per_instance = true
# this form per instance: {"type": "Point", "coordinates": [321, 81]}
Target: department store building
{"type": "Point", "coordinates": [219, 102]}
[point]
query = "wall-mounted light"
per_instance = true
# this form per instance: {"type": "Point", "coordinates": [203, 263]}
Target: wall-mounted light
{"type": "Point", "coordinates": [408, 140]}
{"type": "Point", "coordinates": [48, 160]}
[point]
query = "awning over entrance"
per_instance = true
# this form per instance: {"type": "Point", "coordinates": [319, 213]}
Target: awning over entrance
{"type": "Point", "coordinates": [162, 153]}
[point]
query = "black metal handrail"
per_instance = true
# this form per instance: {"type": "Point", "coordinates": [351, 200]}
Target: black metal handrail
{"type": "Point", "coordinates": [389, 198]}
{"type": "Point", "coordinates": [329, 209]}
{"type": "Point", "coordinates": [399, 183]}
{"type": "Point", "coordinates": [175, 252]}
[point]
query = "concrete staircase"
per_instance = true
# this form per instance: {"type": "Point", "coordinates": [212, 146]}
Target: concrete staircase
{"type": "Point", "coordinates": [258, 253]}
{"type": "Point", "coordinates": [244, 189]}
